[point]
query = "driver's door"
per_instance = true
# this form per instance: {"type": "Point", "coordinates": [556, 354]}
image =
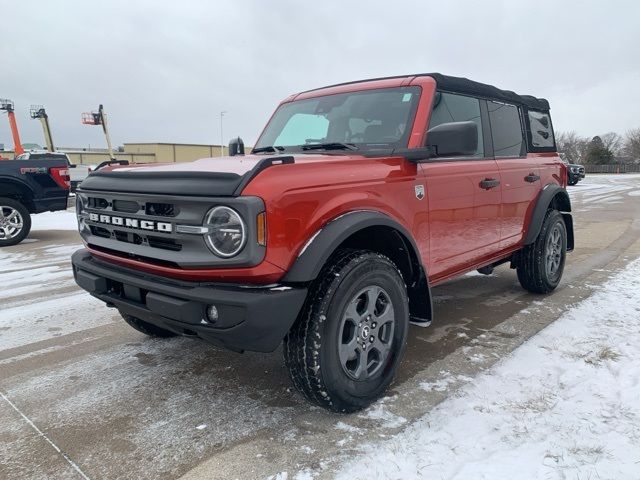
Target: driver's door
{"type": "Point", "coordinates": [464, 193]}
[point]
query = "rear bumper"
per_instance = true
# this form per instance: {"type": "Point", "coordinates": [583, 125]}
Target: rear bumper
{"type": "Point", "coordinates": [250, 318]}
{"type": "Point", "coordinates": [50, 204]}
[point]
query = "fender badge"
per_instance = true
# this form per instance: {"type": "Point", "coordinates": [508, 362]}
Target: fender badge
{"type": "Point", "coordinates": [419, 192]}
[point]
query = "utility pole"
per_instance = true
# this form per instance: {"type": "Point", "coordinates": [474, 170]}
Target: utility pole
{"type": "Point", "coordinates": [221, 134]}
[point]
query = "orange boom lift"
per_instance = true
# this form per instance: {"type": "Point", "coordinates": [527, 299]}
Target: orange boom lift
{"type": "Point", "coordinates": [99, 118]}
{"type": "Point", "coordinates": [7, 105]}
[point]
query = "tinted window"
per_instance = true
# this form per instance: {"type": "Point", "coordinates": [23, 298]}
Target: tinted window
{"type": "Point", "coordinates": [367, 118]}
{"type": "Point", "coordinates": [506, 130]}
{"type": "Point", "coordinates": [449, 107]}
{"type": "Point", "coordinates": [541, 131]}
{"type": "Point", "coordinates": [302, 127]}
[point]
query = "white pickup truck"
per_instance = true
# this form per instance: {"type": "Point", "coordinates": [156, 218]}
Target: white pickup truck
{"type": "Point", "coordinates": [77, 172]}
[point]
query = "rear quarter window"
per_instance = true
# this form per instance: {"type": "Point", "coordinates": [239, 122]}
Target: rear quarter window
{"type": "Point", "coordinates": [540, 130]}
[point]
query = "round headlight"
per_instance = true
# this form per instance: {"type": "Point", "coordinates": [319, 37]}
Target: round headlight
{"type": "Point", "coordinates": [227, 232]}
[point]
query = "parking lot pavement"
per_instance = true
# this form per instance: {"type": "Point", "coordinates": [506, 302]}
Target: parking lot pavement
{"type": "Point", "coordinates": [85, 395]}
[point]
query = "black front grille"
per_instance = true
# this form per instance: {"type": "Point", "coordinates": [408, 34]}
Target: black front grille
{"type": "Point", "coordinates": [100, 232]}
{"type": "Point", "coordinates": [161, 209]}
{"type": "Point", "coordinates": [164, 243]}
{"type": "Point", "coordinates": [96, 202]}
{"type": "Point", "coordinates": [128, 237]}
{"type": "Point", "coordinates": [126, 206]}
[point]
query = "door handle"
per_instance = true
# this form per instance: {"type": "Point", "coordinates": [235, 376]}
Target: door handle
{"type": "Point", "coordinates": [532, 178]}
{"type": "Point", "coordinates": [489, 183]}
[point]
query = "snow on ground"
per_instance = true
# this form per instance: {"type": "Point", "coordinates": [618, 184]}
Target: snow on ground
{"type": "Point", "coordinates": [566, 404]}
{"type": "Point", "coordinates": [62, 220]}
{"type": "Point", "coordinates": [600, 191]}
{"type": "Point", "coordinates": [58, 316]}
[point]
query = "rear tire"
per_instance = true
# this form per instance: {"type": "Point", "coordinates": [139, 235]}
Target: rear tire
{"type": "Point", "coordinates": [343, 351]}
{"type": "Point", "coordinates": [147, 328]}
{"type": "Point", "coordinates": [541, 264]}
{"type": "Point", "coordinates": [15, 222]}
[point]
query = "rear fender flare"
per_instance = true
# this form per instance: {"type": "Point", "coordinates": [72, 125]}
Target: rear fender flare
{"type": "Point", "coordinates": [557, 196]}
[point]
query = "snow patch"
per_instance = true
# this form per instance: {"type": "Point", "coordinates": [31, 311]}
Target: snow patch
{"type": "Point", "coordinates": [379, 413]}
{"type": "Point", "coordinates": [62, 220]}
{"type": "Point", "coordinates": [566, 404]}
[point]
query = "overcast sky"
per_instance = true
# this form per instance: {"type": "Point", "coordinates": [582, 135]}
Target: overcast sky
{"type": "Point", "coordinates": [165, 69]}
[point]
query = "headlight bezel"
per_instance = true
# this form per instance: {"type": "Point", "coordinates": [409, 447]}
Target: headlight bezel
{"type": "Point", "coordinates": [208, 237]}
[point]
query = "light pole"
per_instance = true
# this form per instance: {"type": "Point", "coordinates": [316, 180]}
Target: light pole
{"type": "Point", "coordinates": [221, 134]}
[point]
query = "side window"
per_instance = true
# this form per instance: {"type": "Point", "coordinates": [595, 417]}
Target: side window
{"type": "Point", "coordinates": [506, 130]}
{"type": "Point", "coordinates": [449, 107]}
{"type": "Point", "coordinates": [541, 131]}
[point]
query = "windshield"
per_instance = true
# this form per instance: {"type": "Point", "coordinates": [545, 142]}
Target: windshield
{"type": "Point", "coordinates": [357, 120]}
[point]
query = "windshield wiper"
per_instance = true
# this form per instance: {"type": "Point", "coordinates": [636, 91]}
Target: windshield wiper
{"type": "Point", "coordinates": [270, 148]}
{"type": "Point", "coordinates": [329, 146]}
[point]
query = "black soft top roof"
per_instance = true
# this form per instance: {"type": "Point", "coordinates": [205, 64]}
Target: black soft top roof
{"type": "Point", "coordinates": [464, 85]}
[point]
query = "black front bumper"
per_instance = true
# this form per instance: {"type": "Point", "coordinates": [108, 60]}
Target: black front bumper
{"type": "Point", "coordinates": [576, 176]}
{"type": "Point", "coordinates": [249, 318]}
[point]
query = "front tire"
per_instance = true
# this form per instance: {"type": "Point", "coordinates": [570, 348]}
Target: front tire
{"type": "Point", "coordinates": [343, 351]}
{"type": "Point", "coordinates": [15, 222]}
{"type": "Point", "coordinates": [146, 328]}
{"type": "Point", "coordinates": [541, 264]}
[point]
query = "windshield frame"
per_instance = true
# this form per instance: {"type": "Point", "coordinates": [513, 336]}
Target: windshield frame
{"type": "Point", "coordinates": [360, 147]}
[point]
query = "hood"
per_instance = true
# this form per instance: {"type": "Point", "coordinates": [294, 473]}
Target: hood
{"type": "Point", "coordinates": [221, 176]}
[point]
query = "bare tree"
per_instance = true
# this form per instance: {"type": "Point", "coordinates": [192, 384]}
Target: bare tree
{"type": "Point", "coordinates": [632, 144]}
{"type": "Point", "coordinates": [572, 145]}
{"type": "Point", "coordinates": [612, 142]}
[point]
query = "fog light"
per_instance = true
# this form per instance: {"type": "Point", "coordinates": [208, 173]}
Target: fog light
{"type": "Point", "coordinates": [212, 313]}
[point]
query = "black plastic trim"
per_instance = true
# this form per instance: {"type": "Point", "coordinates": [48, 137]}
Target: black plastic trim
{"type": "Point", "coordinates": [549, 192]}
{"type": "Point", "coordinates": [259, 167]}
{"type": "Point", "coordinates": [324, 243]}
{"type": "Point", "coordinates": [251, 318]}
{"type": "Point", "coordinates": [163, 183]}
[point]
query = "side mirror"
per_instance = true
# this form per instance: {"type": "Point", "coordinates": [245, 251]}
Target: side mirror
{"type": "Point", "coordinates": [236, 147]}
{"type": "Point", "coordinates": [454, 138]}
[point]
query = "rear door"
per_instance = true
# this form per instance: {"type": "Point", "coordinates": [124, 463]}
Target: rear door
{"type": "Point", "coordinates": [520, 174]}
{"type": "Point", "coordinates": [464, 194]}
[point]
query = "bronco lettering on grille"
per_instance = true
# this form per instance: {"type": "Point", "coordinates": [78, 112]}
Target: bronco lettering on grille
{"type": "Point", "coordinates": [131, 223]}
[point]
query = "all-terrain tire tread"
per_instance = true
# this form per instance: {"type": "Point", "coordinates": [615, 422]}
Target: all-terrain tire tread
{"type": "Point", "coordinates": [531, 267]}
{"type": "Point", "coordinates": [302, 344]}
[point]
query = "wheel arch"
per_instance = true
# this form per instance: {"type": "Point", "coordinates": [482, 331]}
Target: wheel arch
{"type": "Point", "coordinates": [374, 231]}
{"type": "Point", "coordinates": [555, 197]}
{"type": "Point", "coordinates": [17, 190]}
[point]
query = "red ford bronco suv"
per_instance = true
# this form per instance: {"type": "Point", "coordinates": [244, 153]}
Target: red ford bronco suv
{"type": "Point", "coordinates": [356, 200]}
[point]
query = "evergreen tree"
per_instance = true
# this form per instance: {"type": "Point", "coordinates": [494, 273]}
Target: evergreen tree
{"type": "Point", "coordinates": [598, 153]}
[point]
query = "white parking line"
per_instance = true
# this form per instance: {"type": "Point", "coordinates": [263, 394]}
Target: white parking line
{"type": "Point", "coordinates": [49, 441]}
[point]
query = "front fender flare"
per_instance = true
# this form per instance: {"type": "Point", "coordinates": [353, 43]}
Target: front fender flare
{"type": "Point", "coordinates": [319, 248]}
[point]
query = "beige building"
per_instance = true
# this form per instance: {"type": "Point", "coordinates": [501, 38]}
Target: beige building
{"type": "Point", "coordinates": [174, 152]}
{"type": "Point", "coordinates": [142, 153]}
